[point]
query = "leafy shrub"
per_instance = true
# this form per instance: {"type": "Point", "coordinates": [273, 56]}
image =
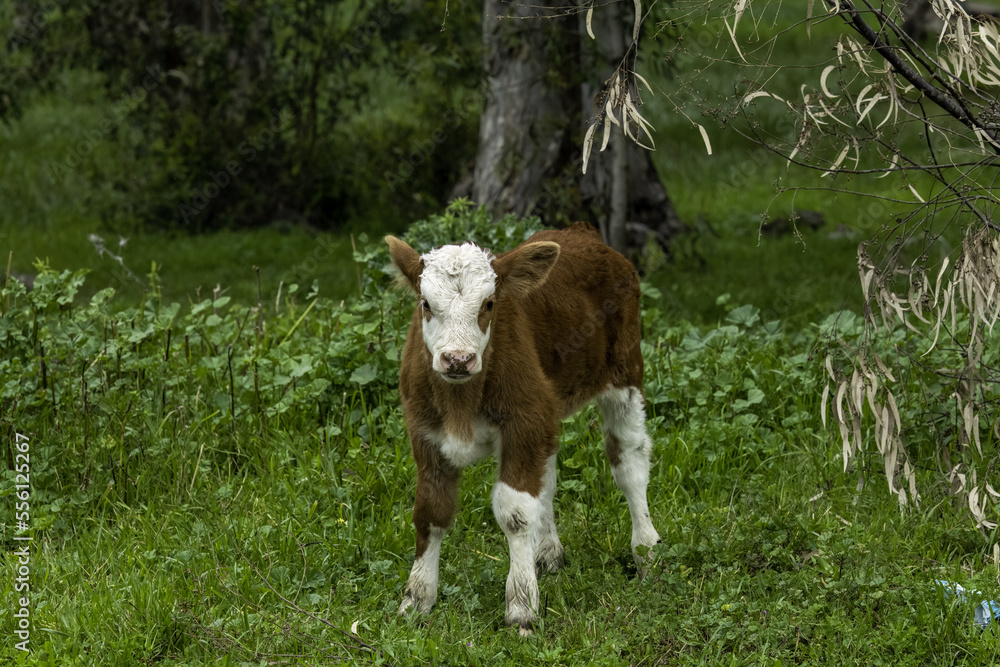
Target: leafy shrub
{"type": "Point", "coordinates": [735, 394]}
{"type": "Point", "coordinates": [116, 395]}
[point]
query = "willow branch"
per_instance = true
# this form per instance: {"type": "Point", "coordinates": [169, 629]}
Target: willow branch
{"type": "Point", "coordinates": [949, 103]}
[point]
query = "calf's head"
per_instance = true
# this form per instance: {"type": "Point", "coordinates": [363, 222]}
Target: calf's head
{"type": "Point", "coordinates": [461, 289]}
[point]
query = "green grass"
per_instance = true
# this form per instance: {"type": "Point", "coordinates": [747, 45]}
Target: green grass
{"type": "Point", "coordinates": [192, 267]}
{"type": "Point", "coordinates": [186, 513]}
{"type": "Point", "coordinates": [795, 280]}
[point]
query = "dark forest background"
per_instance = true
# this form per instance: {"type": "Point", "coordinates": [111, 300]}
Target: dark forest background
{"type": "Point", "coordinates": [238, 114]}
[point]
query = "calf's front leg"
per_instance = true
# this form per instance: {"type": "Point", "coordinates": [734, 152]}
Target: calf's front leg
{"type": "Point", "coordinates": [433, 512]}
{"type": "Point", "coordinates": [519, 514]}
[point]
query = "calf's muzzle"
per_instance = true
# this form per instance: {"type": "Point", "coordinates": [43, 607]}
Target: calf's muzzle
{"type": "Point", "coordinates": [458, 364]}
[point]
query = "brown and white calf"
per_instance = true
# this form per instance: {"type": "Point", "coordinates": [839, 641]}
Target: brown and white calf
{"type": "Point", "coordinates": [500, 349]}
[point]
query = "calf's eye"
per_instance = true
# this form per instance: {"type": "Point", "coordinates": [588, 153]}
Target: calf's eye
{"type": "Point", "coordinates": [489, 305]}
{"type": "Point", "coordinates": [427, 306]}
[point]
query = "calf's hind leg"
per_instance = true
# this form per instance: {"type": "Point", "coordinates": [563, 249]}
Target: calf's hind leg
{"type": "Point", "coordinates": [628, 448]}
{"type": "Point", "coordinates": [549, 552]}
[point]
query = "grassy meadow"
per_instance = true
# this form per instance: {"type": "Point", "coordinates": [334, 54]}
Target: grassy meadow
{"type": "Point", "coordinates": [217, 483]}
{"type": "Point", "coordinates": [220, 475]}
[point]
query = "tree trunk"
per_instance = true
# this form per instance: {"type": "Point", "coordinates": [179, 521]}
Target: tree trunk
{"type": "Point", "coordinates": [532, 110]}
{"type": "Point", "coordinates": [544, 72]}
{"type": "Point", "coordinates": [611, 47]}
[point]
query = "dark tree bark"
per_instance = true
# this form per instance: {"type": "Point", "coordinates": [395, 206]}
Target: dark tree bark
{"type": "Point", "coordinates": [532, 110]}
{"type": "Point", "coordinates": [544, 73]}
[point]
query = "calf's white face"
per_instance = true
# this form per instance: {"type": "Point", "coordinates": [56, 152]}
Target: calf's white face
{"type": "Point", "coordinates": [457, 288]}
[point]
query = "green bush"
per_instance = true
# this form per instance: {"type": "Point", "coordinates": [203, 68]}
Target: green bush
{"type": "Point", "coordinates": [239, 114]}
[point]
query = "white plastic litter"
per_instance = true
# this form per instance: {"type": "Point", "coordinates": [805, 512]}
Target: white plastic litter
{"type": "Point", "coordinates": [986, 610]}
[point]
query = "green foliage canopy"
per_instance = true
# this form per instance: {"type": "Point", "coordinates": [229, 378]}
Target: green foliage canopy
{"type": "Point", "coordinates": [225, 114]}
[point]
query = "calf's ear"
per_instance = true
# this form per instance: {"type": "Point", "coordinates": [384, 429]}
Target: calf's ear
{"type": "Point", "coordinates": [407, 261]}
{"type": "Point", "coordinates": [525, 268]}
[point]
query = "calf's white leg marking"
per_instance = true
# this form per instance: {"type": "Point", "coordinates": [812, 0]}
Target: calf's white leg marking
{"type": "Point", "coordinates": [625, 423]}
{"type": "Point", "coordinates": [519, 515]}
{"type": "Point", "coordinates": [549, 552]}
{"type": "Point", "coordinates": [422, 586]}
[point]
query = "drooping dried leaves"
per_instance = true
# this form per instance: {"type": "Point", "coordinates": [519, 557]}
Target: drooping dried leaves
{"type": "Point", "coordinates": [935, 317]}
{"type": "Point", "coordinates": [619, 102]}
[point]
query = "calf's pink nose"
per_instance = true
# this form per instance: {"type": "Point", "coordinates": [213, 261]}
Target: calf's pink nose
{"type": "Point", "coordinates": [458, 361]}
